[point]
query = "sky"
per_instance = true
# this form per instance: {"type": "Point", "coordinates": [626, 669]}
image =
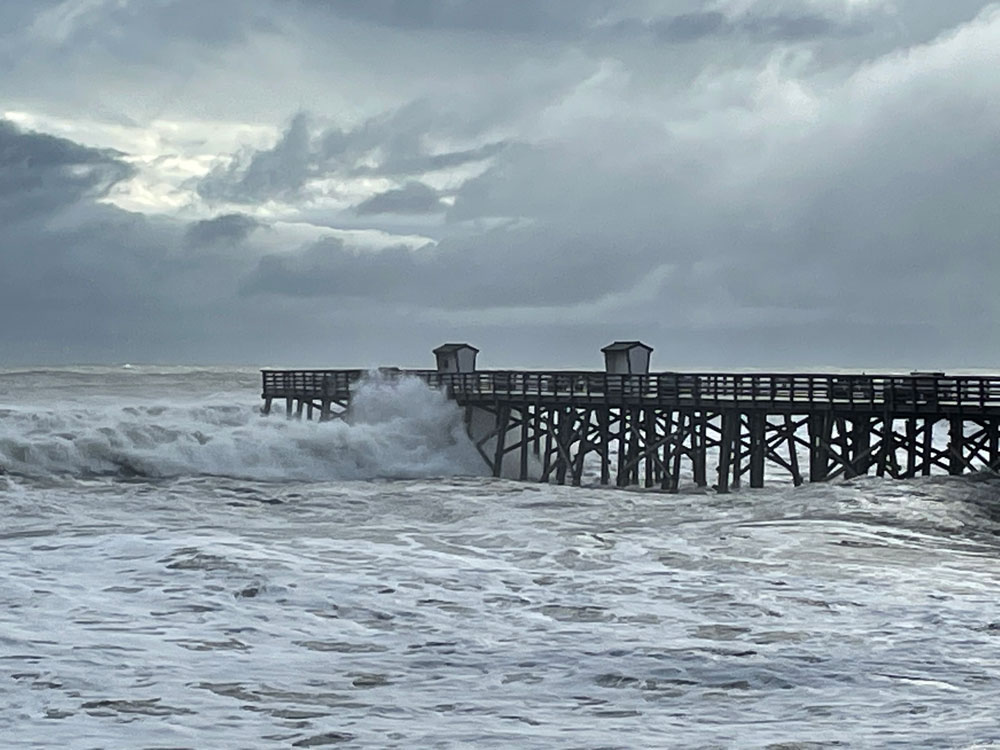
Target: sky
{"type": "Point", "coordinates": [738, 183]}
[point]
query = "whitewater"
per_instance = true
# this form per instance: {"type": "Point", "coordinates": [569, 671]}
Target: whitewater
{"type": "Point", "coordinates": [177, 571]}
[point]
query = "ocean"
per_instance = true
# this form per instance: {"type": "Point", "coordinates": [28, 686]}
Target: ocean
{"type": "Point", "coordinates": [177, 571]}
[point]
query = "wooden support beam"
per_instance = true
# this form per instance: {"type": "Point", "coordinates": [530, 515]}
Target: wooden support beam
{"type": "Point", "coordinates": [667, 447]}
{"type": "Point", "coordinates": [757, 448]}
{"type": "Point", "coordinates": [547, 457]}
{"type": "Point", "coordinates": [537, 428]}
{"type": "Point", "coordinates": [670, 439]}
{"type": "Point", "coordinates": [502, 417]}
{"type": "Point", "coordinates": [887, 446]}
{"type": "Point", "coordinates": [736, 458]}
{"type": "Point", "coordinates": [730, 432]}
{"type": "Point", "coordinates": [649, 437]}
{"type": "Point", "coordinates": [621, 479]}
{"type": "Point", "coordinates": [818, 455]}
{"type": "Point", "coordinates": [962, 463]}
{"type": "Point", "coordinates": [604, 443]}
{"type": "Point", "coordinates": [635, 444]}
{"type": "Point", "coordinates": [523, 463]}
{"type": "Point", "coordinates": [846, 467]}
{"type": "Point", "coordinates": [861, 446]}
{"type": "Point", "coordinates": [773, 443]}
{"type": "Point", "coordinates": [793, 456]}
{"type": "Point", "coordinates": [956, 445]}
{"type": "Point", "coordinates": [556, 436]}
{"type": "Point", "coordinates": [699, 445]}
{"type": "Point", "coordinates": [660, 464]}
{"type": "Point", "coordinates": [492, 433]}
{"type": "Point", "coordinates": [976, 446]}
{"type": "Point", "coordinates": [993, 427]}
{"type": "Point", "coordinates": [488, 460]}
{"type": "Point", "coordinates": [928, 444]}
{"type": "Point", "coordinates": [583, 445]}
{"type": "Point", "coordinates": [837, 463]}
{"type": "Point", "coordinates": [562, 436]}
{"type": "Point", "coordinates": [663, 443]}
{"type": "Point", "coordinates": [674, 476]}
{"type": "Point", "coordinates": [912, 445]}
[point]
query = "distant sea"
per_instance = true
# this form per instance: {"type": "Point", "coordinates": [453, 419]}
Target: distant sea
{"type": "Point", "coordinates": [177, 571]}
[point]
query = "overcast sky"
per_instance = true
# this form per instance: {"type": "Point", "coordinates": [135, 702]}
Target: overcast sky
{"type": "Point", "coordinates": [739, 183]}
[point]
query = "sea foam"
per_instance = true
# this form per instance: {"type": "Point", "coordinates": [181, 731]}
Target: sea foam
{"type": "Point", "coordinates": [401, 429]}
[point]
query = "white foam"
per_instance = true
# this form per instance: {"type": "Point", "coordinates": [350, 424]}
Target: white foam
{"type": "Point", "coordinates": [402, 429]}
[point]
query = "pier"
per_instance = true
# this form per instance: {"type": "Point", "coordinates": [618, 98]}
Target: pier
{"type": "Point", "coordinates": [720, 429]}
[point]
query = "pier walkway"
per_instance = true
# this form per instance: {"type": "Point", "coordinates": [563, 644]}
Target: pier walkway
{"type": "Point", "coordinates": [660, 429]}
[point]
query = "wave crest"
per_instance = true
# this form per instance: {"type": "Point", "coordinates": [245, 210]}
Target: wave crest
{"type": "Point", "coordinates": [401, 429]}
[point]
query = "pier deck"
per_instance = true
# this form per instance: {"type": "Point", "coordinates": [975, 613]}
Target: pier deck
{"type": "Point", "coordinates": [656, 428]}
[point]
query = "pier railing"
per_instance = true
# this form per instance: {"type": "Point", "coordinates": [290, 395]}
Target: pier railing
{"type": "Point", "coordinates": [914, 391]}
{"type": "Point", "coordinates": [309, 383]}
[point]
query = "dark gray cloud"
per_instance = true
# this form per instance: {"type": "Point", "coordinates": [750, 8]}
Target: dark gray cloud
{"type": "Point", "coordinates": [103, 285]}
{"type": "Point", "coordinates": [40, 173]}
{"type": "Point", "coordinates": [692, 27]}
{"type": "Point", "coordinates": [585, 20]}
{"type": "Point", "coordinates": [277, 172]}
{"type": "Point", "coordinates": [230, 229]}
{"type": "Point", "coordinates": [561, 17]}
{"type": "Point", "coordinates": [412, 198]}
{"type": "Point", "coordinates": [394, 144]}
{"type": "Point", "coordinates": [88, 281]}
{"type": "Point", "coordinates": [502, 269]}
{"type": "Point", "coordinates": [404, 162]}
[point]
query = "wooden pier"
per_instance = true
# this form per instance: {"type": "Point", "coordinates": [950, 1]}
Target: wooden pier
{"type": "Point", "coordinates": [714, 429]}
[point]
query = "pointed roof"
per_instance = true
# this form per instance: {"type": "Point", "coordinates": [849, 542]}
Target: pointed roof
{"type": "Point", "coordinates": [622, 346]}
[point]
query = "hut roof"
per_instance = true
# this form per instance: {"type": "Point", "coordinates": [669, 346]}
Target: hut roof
{"type": "Point", "coordinates": [621, 346]}
{"type": "Point", "coordinates": [448, 348]}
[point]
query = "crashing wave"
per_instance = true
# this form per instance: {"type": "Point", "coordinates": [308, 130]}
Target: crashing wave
{"type": "Point", "coordinates": [393, 430]}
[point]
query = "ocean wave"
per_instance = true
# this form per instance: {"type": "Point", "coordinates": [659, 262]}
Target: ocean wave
{"type": "Point", "coordinates": [393, 430]}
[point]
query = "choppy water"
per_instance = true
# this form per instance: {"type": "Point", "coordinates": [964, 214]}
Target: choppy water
{"type": "Point", "coordinates": [177, 572]}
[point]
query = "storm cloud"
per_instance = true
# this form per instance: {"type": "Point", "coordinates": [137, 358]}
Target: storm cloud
{"type": "Point", "coordinates": [412, 198]}
{"type": "Point", "coordinates": [229, 229]}
{"type": "Point", "coordinates": [394, 144]}
{"type": "Point", "coordinates": [40, 174]}
{"type": "Point", "coordinates": [742, 183]}
{"type": "Point", "coordinates": [513, 17]}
